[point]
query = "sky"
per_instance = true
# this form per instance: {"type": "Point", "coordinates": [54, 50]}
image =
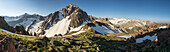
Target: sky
{"type": "Point", "coordinates": [154, 10]}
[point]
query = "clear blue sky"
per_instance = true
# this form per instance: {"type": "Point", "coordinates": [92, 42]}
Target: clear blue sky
{"type": "Point", "coordinates": [154, 10]}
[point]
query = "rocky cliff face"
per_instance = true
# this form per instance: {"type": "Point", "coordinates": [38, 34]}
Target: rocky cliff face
{"type": "Point", "coordinates": [77, 15]}
{"type": "Point", "coordinates": [18, 29]}
{"type": "Point", "coordinates": [4, 25]}
{"type": "Point", "coordinates": [21, 30]}
{"type": "Point", "coordinates": [52, 19]}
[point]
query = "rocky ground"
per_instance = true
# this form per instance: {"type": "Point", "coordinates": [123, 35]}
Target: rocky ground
{"type": "Point", "coordinates": [91, 41]}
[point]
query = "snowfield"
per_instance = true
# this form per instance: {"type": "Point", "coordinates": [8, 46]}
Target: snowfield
{"type": "Point", "coordinates": [125, 36]}
{"type": "Point", "coordinates": [35, 28]}
{"type": "Point", "coordinates": [102, 29]}
{"type": "Point", "coordinates": [78, 32]}
{"type": "Point", "coordinates": [5, 31]}
{"type": "Point", "coordinates": [140, 40]}
{"type": "Point", "coordinates": [26, 22]}
{"type": "Point", "coordinates": [163, 27]}
{"type": "Point", "coordinates": [119, 21]}
{"type": "Point", "coordinates": [116, 30]}
{"type": "Point", "coordinates": [60, 28]}
{"type": "Point", "coordinates": [8, 19]}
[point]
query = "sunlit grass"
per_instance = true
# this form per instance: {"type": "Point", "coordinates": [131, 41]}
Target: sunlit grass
{"type": "Point", "coordinates": [88, 41]}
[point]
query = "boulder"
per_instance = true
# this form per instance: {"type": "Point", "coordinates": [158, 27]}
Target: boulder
{"type": "Point", "coordinates": [45, 38]}
{"type": "Point", "coordinates": [163, 35]}
{"type": "Point", "coordinates": [131, 40]}
{"type": "Point", "coordinates": [66, 40]}
{"type": "Point", "coordinates": [21, 48]}
{"type": "Point", "coordinates": [155, 40]}
{"type": "Point", "coordinates": [21, 30]}
{"type": "Point", "coordinates": [7, 45]}
{"type": "Point", "coordinates": [56, 43]}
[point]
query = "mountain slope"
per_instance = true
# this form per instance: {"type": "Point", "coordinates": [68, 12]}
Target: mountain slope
{"type": "Point", "coordinates": [25, 20]}
{"type": "Point", "coordinates": [4, 25]}
{"type": "Point", "coordinates": [73, 19]}
{"type": "Point", "coordinates": [62, 27]}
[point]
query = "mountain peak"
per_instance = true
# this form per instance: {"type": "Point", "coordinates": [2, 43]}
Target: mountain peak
{"type": "Point", "coordinates": [72, 5]}
{"type": "Point", "coordinates": [25, 14]}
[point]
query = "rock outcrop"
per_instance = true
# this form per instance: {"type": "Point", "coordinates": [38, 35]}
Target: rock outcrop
{"type": "Point", "coordinates": [77, 15]}
{"type": "Point", "coordinates": [7, 45]}
{"type": "Point", "coordinates": [18, 29]}
{"type": "Point", "coordinates": [21, 30]}
{"type": "Point", "coordinates": [129, 25]}
{"type": "Point", "coordinates": [56, 43]}
{"type": "Point", "coordinates": [52, 19]}
{"type": "Point", "coordinates": [163, 35]}
{"type": "Point", "coordinates": [4, 25]}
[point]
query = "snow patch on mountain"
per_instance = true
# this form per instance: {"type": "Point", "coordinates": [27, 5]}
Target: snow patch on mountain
{"type": "Point", "coordinates": [26, 22]}
{"type": "Point", "coordinates": [163, 27]}
{"type": "Point", "coordinates": [140, 40]}
{"type": "Point", "coordinates": [125, 36]}
{"type": "Point", "coordinates": [8, 19]}
{"type": "Point", "coordinates": [116, 30]}
{"type": "Point", "coordinates": [5, 31]}
{"type": "Point", "coordinates": [35, 28]}
{"type": "Point", "coordinates": [61, 27]}
{"type": "Point", "coordinates": [102, 29]}
{"type": "Point", "coordinates": [119, 21]}
{"type": "Point", "coordinates": [78, 32]}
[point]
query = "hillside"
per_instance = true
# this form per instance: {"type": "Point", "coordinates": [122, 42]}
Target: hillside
{"type": "Point", "coordinates": [72, 29]}
{"type": "Point", "coordinates": [84, 42]}
{"type": "Point", "coordinates": [73, 19]}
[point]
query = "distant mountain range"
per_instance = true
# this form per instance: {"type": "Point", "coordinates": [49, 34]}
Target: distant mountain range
{"type": "Point", "coordinates": [73, 20]}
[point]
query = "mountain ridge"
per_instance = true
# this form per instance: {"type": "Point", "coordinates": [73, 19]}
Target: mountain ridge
{"type": "Point", "coordinates": [70, 18]}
